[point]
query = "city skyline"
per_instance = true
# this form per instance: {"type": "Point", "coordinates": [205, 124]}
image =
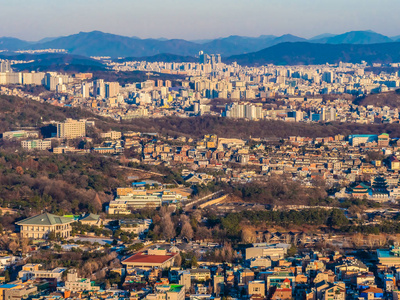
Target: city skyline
{"type": "Point", "coordinates": [155, 19]}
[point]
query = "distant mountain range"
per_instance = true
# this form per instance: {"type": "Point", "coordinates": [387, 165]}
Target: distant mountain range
{"type": "Point", "coordinates": [311, 53]}
{"type": "Point", "coordinates": [355, 37]}
{"type": "Point", "coordinates": [54, 61]}
{"type": "Point", "coordinates": [97, 43]}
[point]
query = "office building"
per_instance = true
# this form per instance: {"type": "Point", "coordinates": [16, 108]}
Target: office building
{"type": "Point", "coordinates": [257, 287]}
{"type": "Point", "coordinates": [71, 129]}
{"type": "Point", "coordinates": [36, 144]}
{"type": "Point", "coordinates": [85, 90]}
{"type": "Point", "coordinates": [5, 66]}
{"type": "Point", "coordinates": [99, 88]}
{"type": "Point", "coordinates": [111, 89]}
{"type": "Point", "coordinates": [77, 284]}
{"type": "Point", "coordinates": [20, 134]}
{"type": "Point", "coordinates": [112, 135]}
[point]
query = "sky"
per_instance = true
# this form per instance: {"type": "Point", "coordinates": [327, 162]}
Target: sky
{"type": "Point", "coordinates": [196, 19]}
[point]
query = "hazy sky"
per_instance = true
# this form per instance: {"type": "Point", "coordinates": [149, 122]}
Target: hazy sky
{"type": "Point", "coordinates": [191, 19]}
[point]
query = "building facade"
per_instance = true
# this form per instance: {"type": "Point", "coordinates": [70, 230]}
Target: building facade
{"type": "Point", "coordinates": [39, 227]}
{"type": "Point", "coordinates": [71, 129]}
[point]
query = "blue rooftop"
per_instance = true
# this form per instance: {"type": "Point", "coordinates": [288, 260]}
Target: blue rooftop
{"type": "Point", "coordinates": [7, 286]}
{"type": "Point", "coordinates": [383, 253]}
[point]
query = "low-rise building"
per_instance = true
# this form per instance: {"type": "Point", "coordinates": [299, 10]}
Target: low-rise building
{"type": "Point", "coordinates": [156, 258]}
{"type": "Point", "coordinates": [256, 287]}
{"type": "Point", "coordinates": [41, 226]}
{"type": "Point", "coordinates": [36, 145]}
{"type": "Point", "coordinates": [76, 284]}
{"type": "Point", "coordinates": [32, 271]}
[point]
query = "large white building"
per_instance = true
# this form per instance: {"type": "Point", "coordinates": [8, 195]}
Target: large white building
{"type": "Point", "coordinates": [36, 144]}
{"type": "Point", "coordinates": [39, 227]}
{"type": "Point", "coordinates": [71, 129]}
{"type": "Point", "coordinates": [129, 199]}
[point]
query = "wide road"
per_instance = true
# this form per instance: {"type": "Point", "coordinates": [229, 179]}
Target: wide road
{"type": "Point", "coordinates": [188, 205]}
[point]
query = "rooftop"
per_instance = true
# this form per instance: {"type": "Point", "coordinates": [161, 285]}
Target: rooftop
{"type": "Point", "coordinates": [45, 219]}
{"type": "Point", "coordinates": [141, 257]}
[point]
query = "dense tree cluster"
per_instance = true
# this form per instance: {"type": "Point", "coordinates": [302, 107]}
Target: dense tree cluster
{"type": "Point", "coordinates": [79, 228]}
{"type": "Point", "coordinates": [232, 223]}
{"type": "Point", "coordinates": [278, 190]}
{"type": "Point", "coordinates": [389, 227]}
{"type": "Point", "coordinates": [391, 99]}
{"type": "Point", "coordinates": [57, 183]}
{"type": "Point", "coordinates": [16, 112]}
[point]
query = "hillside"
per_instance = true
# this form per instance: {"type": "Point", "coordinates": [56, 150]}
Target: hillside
{"type": "Point", "coordinates": [240, 44]}
{"type": "Point", "coordinates": [16, 112]}
{"type": "Point", "coordinates": [309, 53]}
{"type": "Point", "coordinates": [199, 126]}
{"type": "Point", "coordinates": [355, 37]}
{"type": "Point", "coordinates": [10, 43]}
{"type": "Point", "coordinates": [391, 99]}
{"type": "Point", "coordinates": [60, 63]}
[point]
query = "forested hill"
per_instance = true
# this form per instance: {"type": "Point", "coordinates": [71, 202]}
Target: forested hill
{"type": "Point", "coordinates": [224, 127]}
{"type": "Point", "coordinates": [16, 112]}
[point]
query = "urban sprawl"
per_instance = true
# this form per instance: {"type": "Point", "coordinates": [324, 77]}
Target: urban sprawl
{"type": "Point", "coordinates": [210, 217]}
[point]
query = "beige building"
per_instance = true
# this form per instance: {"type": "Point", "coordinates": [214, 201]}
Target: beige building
{"type": "Point", "coordinates": [36, 144]}
{"type": "Point", "coordinates": [77, 284]}
{"type": "Point", "coordinates": [334, 291]}
{"type": "Point", "coordinates": [113, 135]}
{"type": "Point", "coordinates": [257, 287]}
{"type": "Point", "coordinates": [71, 129]}
{"type": "Point", "coordinates": [271, 251]}
{"type": "Point", "coordinates": [200, 274]}
{"type": "Point", "coordinates": [16, 290]}
{"type": "Point", "coordinates": [112, 89]}
{"type": "Point", "coordinates": [39, 227]}
{"type": "Point", "coordinates": [129, 199]}
{"type": "Point", "coordinates": [168, 291]}
{"type": "Point", "coordinates": [33, 271]}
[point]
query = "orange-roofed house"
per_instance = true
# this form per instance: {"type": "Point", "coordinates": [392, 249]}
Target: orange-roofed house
{"type": "Point", "coordinates": [283, 292]}
{"type": "Point", "coordinates": [158, 258]}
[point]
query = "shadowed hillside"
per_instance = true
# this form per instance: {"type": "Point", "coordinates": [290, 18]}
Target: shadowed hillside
{"type": "Point", "coordinates": [391, 99]}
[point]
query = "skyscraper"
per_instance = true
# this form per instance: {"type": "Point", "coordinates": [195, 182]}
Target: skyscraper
{"type": "Point", "coordinates": [85, 90]}
{"type": "Point", "coordinates": [111, 89]}
{"type": "Point", "coordinates": [5, 66]}
{"type": "Point", "coordinates": [99, 89]}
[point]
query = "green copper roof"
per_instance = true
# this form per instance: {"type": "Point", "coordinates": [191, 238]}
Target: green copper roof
{"type": "Point", "coordinates": [90, 217]}
{"type": "Point", "coordinates": [45, 219]}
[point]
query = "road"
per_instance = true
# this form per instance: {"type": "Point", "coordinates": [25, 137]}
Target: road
{"type": "Point", "coordinates": [141, 170]}
{"type": "Point", "coordinates": [189, 205]}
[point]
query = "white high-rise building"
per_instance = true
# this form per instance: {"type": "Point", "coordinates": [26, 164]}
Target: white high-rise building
{"type": "Point", "coordinates": [85, 90]}
{"type": "Point", "coordinates": [71, 129]}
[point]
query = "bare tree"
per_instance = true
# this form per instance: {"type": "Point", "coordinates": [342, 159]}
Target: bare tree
{"type": "Point", "coordinates": [248, 235]}
{"type": "Point", "coordinates": [168, 229]}
{"type": "Point", "coordinates": [187, 230]}
{"type": "Point", "coordinates": [178, 260]}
